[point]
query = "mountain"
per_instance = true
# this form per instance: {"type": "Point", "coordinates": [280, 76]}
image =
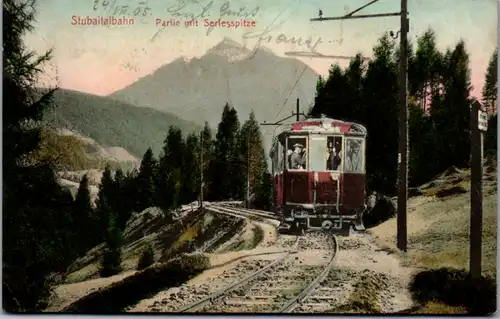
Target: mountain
{"type": "Point", "coordinates": [113, 123]}
{"type": "Point", "coordinates": [198, 89]}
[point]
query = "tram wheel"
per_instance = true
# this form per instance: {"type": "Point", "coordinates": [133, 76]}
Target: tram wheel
{"type": "Point", "coordinates": [327, 225]}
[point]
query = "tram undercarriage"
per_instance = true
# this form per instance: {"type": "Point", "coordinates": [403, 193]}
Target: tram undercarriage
{"type": "Point", "coordinates": [306, 222]}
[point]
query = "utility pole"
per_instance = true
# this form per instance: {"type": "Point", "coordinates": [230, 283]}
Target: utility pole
{"type": "Point", "coordinates": [201, 172]}
{"type": "Point", "coordinates": [248, 168]}
{"type": "Point", "coordinates": [402, 227]}
{"type": "Point", "coordinates": [403, 114]}
{"type": "Point", "coordinates": [478, 125]}
{"type": "Point", "coordinates": [297, 112]}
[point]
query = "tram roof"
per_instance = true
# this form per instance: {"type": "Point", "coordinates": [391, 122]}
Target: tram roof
{"type": "Point", "coordinates": [327, 125]}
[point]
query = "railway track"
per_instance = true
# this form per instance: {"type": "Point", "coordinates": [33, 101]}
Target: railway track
{"type": "Point", "coordinates": [220, 293]}
{"type": "Point", "coordinates": [280, 286]}
{"type": "Point", "coordinates": [243, 212]}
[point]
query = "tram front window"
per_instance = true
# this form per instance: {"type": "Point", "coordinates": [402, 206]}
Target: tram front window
{"type": "Point", "coordinates": [333, 154]}
{"type": "Point", "coordinates": [317, 157]}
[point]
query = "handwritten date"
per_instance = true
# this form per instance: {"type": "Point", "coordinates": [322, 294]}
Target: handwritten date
{"type": "Point", "coordinates": [115, 9]}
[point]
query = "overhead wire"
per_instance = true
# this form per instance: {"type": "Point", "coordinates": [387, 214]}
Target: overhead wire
{"type": "Point", "coordinates": [291, 91]}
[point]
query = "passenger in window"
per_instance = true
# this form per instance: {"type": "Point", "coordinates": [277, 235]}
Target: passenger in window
{"type": "Point", "coordinates": [297, 159]}
{"type": "Point", "coordinates": [288, 159]}
{"type": "Point", "coordinates": [333, 161]}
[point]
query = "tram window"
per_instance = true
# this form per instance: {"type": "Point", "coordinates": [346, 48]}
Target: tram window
{"type": "Point", "coordinates": [333, 153]}
{"type": "Point", "coordinates": [279, 156]}
{"type": "Point", "coordinates": [317, 157]}
{"type": "Point", "coordinates": [274, 157]}
{"type": "Point", "coordinates": [297, 152]}
{"type": "Point", "coordinates": [354, 155]}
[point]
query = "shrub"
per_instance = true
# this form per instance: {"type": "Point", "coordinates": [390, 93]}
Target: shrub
{"type": "Point", "coordinates": [116, 297]}
{"type": "Point", "coordinates": [111, 262]}
{"type": "Point", "coordinates": [383, 210]}
{"type": "Point", "coordinates": [147, 258]}
{"type": "Point", "coordinates": [455, 287]}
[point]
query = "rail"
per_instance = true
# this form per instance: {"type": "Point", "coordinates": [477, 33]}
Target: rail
{"type": "Point", "coordinates": [293, 303]}
{"type": "Point", "coordinates": [243, 212]}
{"type": "Point", "coordinates": [217, 294]}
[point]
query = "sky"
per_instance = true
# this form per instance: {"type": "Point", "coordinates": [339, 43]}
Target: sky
{"type": "Point", "coordinates": [102, 59]}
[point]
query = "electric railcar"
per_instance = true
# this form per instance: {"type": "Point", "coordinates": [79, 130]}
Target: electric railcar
{"type": "Point", "coordinates": [318, 168]}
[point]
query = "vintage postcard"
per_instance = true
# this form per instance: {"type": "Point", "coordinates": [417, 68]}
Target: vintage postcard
{"type": "Point", "coordinates": [236, 156]}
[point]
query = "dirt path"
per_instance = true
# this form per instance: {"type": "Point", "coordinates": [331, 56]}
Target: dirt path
{"type": "Point", "coordinates": [64, 295]}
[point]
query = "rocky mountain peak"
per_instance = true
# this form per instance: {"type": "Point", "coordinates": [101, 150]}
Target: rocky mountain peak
{"type": "Point", "coordinates": [230, 49]}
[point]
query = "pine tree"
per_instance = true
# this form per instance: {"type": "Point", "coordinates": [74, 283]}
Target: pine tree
{"type": "Point", "coordinates": [84, 216]}
{"type": "Point", "coordinates": [207, 149]}
{"type": "Point", "coordinates": [103, 204]}
{"type": "Point", "coordinates": [112, 258]}
{"type": "Point", "coordinates": [491, 84]}
{"type": "Point", "coordinates": [146, 192]}
{"type": "Point", "coordinates": [264, 192]}
{"type": "Point", "coordinates": [226, 164]}
{"type": "Point", "coordinates": [425, 70]}
{"type": "Point", "coordinates": [451, 116]}
{"type": "Point", "coordinates": [380, 98]}
{"type": "Point", "coordinates": [169, 175]}
{"type": "Point", "coordinates": [191, 170]}
{"type": "Point", "coordinates": [35, 228]}
{"type": "Point", "coordinates": [122, 208]}
{"type": "Point", "coordinates": [252, 154]}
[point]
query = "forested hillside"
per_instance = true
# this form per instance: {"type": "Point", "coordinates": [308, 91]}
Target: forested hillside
{"type": "Point", "coordinates": [439, 96]}
{"type": "Point", "coordinates": [68, 151]}
{"type": "Point", "coordinates": [113, 123]}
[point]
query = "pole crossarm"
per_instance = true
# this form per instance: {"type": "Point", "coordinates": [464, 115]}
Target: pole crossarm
{"type": "Point", "coordinates": [319, 55]}
{"type": "Point", "coordinates": [280, 121]}
{"type": "Point", "coordinates": [351, 15]}
{"type": "Point", "coordinates": [361, 16]}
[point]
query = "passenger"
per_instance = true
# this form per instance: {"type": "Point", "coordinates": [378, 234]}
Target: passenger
{"type": "Point", "coordinates": [333, 161]}
{"type": "Point", "coordinates": [288, 159]}
{"type": "Point", "coordinates": [297, 160]}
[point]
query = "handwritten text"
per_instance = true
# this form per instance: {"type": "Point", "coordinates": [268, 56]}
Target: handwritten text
{"type": "Point", "coordinates": [265, 36]}
{"type": "Point", "coordinates": [113, 8]}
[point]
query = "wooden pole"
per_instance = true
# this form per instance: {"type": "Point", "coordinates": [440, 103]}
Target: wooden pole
{"type": "Point", "coordinates": [403, 130]}
{"type": "Point", "coordinates": [476, 194]}
{"type": "Point", "coordinates": [298, 110]}
{"type": "Point", "coordinates": [248, 168]}
{"type": "Point", "coordinates": [201, 171]}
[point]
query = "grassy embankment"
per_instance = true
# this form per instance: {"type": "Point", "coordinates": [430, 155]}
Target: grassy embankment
{"type": "Point", "coordinates": [438, 244]}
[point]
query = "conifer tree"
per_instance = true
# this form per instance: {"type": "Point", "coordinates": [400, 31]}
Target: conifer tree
{"type": "Point", "coordinates": [145, 181]}
{"type": "Point", "coordinates": [207, 149]}
{"type": "Point", "coordinates": [226, 164]}
{"type": "Point", "coordinates": [147, 258]}
{"type": "Point", "coordinates": [452, 115]}
{"type": "Point", "coordinates": [380, 91]}
{"type": "Point", "coordinates": [103, 207]}
{"type": "Point", "coordinates": [252, 154]}
{"type": "Point", "coordinates": [121, 207]}
{"type": "Point", "coordinates": [112, 258]}
{"type": "Point", "coordinates": [84, 216]}
{"type": "Point", "coordinates": [264, 192]}
{"type": "Point", "coordinates": [491, 84]}
{"type": "Point", "coordinates": [191, 170]}
{"type": "Point", "coordinates": [35, 243]}
{"type": "Point", "coordinates": [169, 173]}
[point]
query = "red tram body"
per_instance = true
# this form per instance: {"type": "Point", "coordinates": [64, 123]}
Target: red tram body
{"type": "Point", "coordinates": [327, 190]}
